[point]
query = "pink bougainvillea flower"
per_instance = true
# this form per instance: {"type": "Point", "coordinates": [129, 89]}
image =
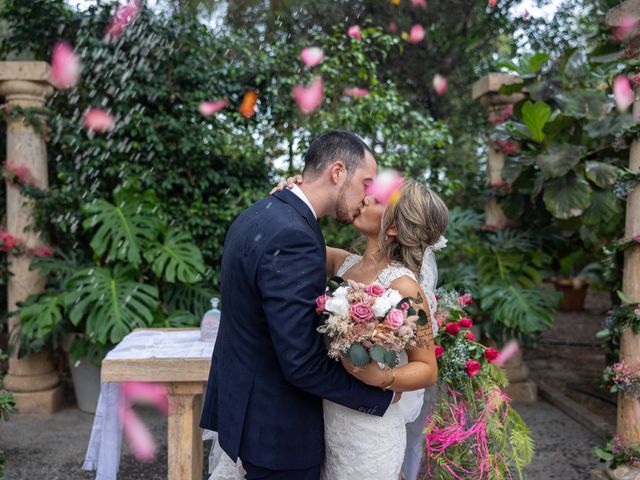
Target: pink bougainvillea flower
{"type": "Point", "coordinates": [309, 98]}
{"type": "Point", "coordinates": [627, 25]}
{"type": "Point", "coordinates": [419, 3]}
{"type": "Point", "coordinates": [248, 105]}
{"type": "Point", "coordinates": [98, 120]}
{"type": "Point", "coordinates": [416, 34]}
{"type": "Point", "coordinates": [354, 32]}
{"type": "Point", "coordinates": [65, 66]}
{"type": "Point", "coordinates": [622, 93]}
{"type": "Point", "coordinates": [311, 56]}
{"type": "Point", "coordinates": [507, 147]}
{"type": "Point", "coordinates": [392, 27]}
{"type": "Point", "coordinates": [8, 242]}
{"type": "Point", "coordinates": [637, 238]}
{"type": "Point", "coordinates": [492, 3]}
{"type": "Point", "coordinates": [42, 251]}
{"type": "Point", "coordinates": [123, 16]}
{"type": "Point", "coordinates": [356, 92]}
{"type": "Point", "coordinates": [509, 350]}
{"type": "Point", "coordinates": [440, 84]}
{"type": "Point", "coordinates": [207, 109]}
{"type": "Point", "coordinates": [18, 175]}
{"type": "Point", "coordinates": [385, 188]}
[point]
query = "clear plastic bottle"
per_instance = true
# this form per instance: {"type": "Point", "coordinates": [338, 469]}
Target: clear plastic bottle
{"type": "Point", "coordinates": [210, 322]}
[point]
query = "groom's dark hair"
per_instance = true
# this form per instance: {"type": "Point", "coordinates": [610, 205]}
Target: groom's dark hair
{"type": "Point", "coordinates": [331, 147]}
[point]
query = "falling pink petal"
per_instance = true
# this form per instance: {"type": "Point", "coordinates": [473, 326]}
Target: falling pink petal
{"type": "Point", "coordinates": [492, 3]}
{"type": "Point", "coordinates": [440, 84]}
{"type": "Point", "coordinates": [419, 3]}
{"type": "Point", "coordinates": [392, 27]}
{"type": "Point", "coordinates": [209, 108]}
{"type": "Point", "coordinates": [509, 350]}
{"type": "Point", "coordinates": [138, 436]}
{"type": "Point", "coordinates": [354, 32]}
{"type": "Point", "coordinates": [309, 98]}
{"type": "Point", "coordinates": [628, 24]}
{"type": "Point", "coordinates": [123, 16]}
{"type": "Point", "coordinates": [65, 66]}
{"type": "Point", "coordinates": [146, 392]}
{"type": "Point", "coordinates": [416, 34]}
{"type": "Point", "coordinates": [622, 93]}
{"type": "Point", "coordinates": [385, 186]}
{"type": "Point", "coordinates": [356, 92]}
{"type": "Point", "coordinates": [311, 56]}
{"type": "Point", "coordinates": [98, 120]}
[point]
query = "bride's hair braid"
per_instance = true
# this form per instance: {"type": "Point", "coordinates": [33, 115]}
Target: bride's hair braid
{"type": "Point", "coordinates": [420, 218]}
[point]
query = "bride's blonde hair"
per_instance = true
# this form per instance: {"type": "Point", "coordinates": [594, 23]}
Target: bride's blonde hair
{"type": "Point", "coordinates": [420, 218]}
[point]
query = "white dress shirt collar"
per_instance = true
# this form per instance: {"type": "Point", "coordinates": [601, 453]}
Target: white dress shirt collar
{"type": "Point", "coordinates": [300, 194]}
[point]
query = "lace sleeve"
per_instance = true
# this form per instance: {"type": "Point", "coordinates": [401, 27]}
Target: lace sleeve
{"type": "Point", "coordinates": [349, 262]}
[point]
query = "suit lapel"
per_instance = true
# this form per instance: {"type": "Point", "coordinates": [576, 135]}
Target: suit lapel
{"type": "Point", "coordinates": [290, 198]}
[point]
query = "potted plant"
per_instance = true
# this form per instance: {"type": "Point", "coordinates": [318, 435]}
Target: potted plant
{"type": "Point", "coordinates": [576, 274]}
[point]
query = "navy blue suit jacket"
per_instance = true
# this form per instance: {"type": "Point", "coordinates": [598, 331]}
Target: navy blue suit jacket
{"type": "Point", "coordinates": [270, 371]}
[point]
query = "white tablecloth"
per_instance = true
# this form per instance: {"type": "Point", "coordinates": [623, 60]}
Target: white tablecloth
{"type": "Point", "coordinates": [103, 452]}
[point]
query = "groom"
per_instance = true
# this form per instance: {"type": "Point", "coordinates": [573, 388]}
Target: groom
{"type": "Point", "coordinates": [270, 371]}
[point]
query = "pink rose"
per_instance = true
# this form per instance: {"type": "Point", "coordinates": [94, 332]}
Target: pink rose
{"type": "Point", "coordinates": [395, 318]}
{"type": "Point", "coordinates": [470, 336]}
{"type": "Point", "coordinates": [452, 328]}
{"type": "Point", "coordinates": [490, 354]}
{"type": "Point", "coordinates": [472, 368]}
{"type": "Point", "coordinates": [321, 301]}
{"type": "Point", "coordinates": [361, 312]}
{"type": "Point", "coordinates": [374, 290]}
{"type": "Point", "coordinates": [404, 306]}
{"type": "Point", "coordinates": [465, 322]}
{"type": "Point", "coordinates": [439, 351]}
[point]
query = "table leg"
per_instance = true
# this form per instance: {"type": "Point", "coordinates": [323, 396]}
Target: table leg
{"type": "Point", "coordinates": [184, 434]}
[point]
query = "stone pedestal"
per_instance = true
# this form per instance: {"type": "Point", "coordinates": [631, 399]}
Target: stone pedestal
{"type": "Point", "coordinates": [33, 380]}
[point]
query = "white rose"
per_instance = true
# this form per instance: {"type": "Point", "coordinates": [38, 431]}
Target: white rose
{"type": "Point", "coordinates": [337, 305]}
{"type": "Point", "coordinates": [341, 292]}
{"type": "Point", "coordinates": [394, 296]}
{"type": "Point", "coordinates": [381, 306]}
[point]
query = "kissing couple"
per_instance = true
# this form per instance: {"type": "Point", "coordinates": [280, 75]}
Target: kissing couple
{"type": "Point", "coordinates": [283, 409]}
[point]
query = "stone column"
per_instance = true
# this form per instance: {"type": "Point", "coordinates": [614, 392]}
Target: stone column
{"type": "Point", "coordinates": [487, 91]}
{"type": "Point", "coordinates": [628, 424]}
{"type": "Point", "coordinates": [33, 380]}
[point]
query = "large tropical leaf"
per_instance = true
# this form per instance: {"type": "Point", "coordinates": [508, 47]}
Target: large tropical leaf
{"type": "Point", "coordinates": [112, 303]}
{"type": "Point", "coordinates": [567, 196]}
{"type": "Point", "coordinates": [591, 104]}
{"type": "Point", "coordinates": [609, 125]}
{"type": "Point", "coordinates": [522, 310]}
{"type": "Point", "coordinates": [124, 228]}
{"type": "Point", "coordinates": [182, 318]}
{"type": "Point", "coordinates": [194, 298]}
{"type": "Point", "coordinates": [461, 221]}
{"type": "Point", "coordinates": [602, 174]}
{"type": "Point", "coordinates": [41, 314]}
{"type": "Point", "coordinates": [58, 268]}
{"type": "Point", "coordinates": [535, 116]}
{"type": "Point", "coordinates": [177, 258]}
{"type": "Point", "coordinates": [559, 160]}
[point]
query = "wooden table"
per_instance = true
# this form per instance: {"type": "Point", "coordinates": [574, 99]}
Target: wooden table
{"type": "Point", "coordinates": [185, 380]}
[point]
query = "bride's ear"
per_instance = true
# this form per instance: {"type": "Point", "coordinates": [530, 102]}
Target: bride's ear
{"type": "Point", "coordinates": [392, 231]}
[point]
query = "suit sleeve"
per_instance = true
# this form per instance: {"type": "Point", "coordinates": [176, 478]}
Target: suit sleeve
{"type": "Point", "coordinates": [290, 277]}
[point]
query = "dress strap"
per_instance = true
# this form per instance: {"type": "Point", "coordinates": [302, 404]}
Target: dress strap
{"type": "Point", "coordinates": [392, 273]}
{"type": "Point", "coordinates": [349, 262]}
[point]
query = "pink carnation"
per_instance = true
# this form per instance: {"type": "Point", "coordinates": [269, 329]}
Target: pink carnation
{"type": "Point", "coordinates": [439, 350]}
{"type": "Point", "coordinates": [470, 336]}
{"type": "Point", "coordinates": [490, 354]}
{"type": "Point", "coordinates": [374, 290]}
{"type": "Point", "coordinates": [321, 301]}
{"type": "Point", "coordinates": [452, 328]}
{"type": "Point", "coordinates": [395, 318]}
{"type": "Point", "coordinates": [472, 367]}
{"type": "Point", "coordinates": [361, 312]}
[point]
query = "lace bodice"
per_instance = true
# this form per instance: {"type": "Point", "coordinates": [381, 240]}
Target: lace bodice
{"type": "Point", "coordinates": [392, 272]}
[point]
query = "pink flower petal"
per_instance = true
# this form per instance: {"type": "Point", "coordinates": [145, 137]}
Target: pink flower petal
{"type": "Point", "coordinates": [209, 108]}
{"type": "Point", "coordinates": [419, 3]}
{"type": "Point", "coordinates": [65, 66]}
{"type": "Point", "coordinates": [123, 16]}
{"type": "Point", "coordinates": [311, 56]}
{"type": "Point", "coordinates": [509, 350]}
{"type": "Point", "coordinates": [628, 24]}
{"type": "Point", "coordinates": [622, 93]}
{"type": "Point", "coordinates": [492, 3]}
{"type": "Point", "coordinates": [309, 98]}
{"type": "Point", "coordinates": [138, 436]}
{"type": "Point", "coordinates": [440, 84]}
{"type": "Point", "coordinates": [416, 34]}
{"type": "Point", "coordinates": [385, 186]}
{"type": "Point", "coordinates": [526, 15]}
{"type": "Point", "coordinates": [98, 120]}
{"type": "Point", "coordinates": [42, 251]}
{"type": "Point", "coordinates": [356, 92]}
{"type": "Point", "coordinates": [354, 32]}
{"type": "Point", "coordinates": [392, 27]}
{"type": "Point", "coordinates": [146, 392]}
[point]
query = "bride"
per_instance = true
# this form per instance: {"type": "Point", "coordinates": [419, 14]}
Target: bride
{"type": "Point", "coordinates": [400, 238]}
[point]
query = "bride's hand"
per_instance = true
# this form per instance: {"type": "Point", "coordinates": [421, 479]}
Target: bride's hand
{"type": "Point", "coordinates": [288, 183]}
{"type": "Point", "coordinates": [371, 374]}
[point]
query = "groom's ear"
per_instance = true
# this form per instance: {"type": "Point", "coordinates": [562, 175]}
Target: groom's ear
{"type": "Point", "coordinates": [338, 172]}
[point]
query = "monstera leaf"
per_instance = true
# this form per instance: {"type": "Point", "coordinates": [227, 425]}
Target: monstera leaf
{"type": "Point", "coordinates": [41, 314]}
{"type": "Point", "coordinates": [559, 160]}
{"type": "Point", "coordinates": [183, 318]}
{"type": "Point", "coordinates": [535, 116]}
{"type": "Point", "coordinates": [112, 303]}
{"type": "Point", "coordinates": [124, 228]}
{"type": "Point", "coordinates": [602, 174]}
{"type": "Point", "coordinates": [567, 196]}
{"type": "Point", "coordinates": [177, 258]}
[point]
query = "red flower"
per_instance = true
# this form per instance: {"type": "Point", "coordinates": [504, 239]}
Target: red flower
{"type": "Point", "coordinates": [470, 336]}
{"type": "Point", "coordinates": [42, 251]}
{"type": "Point", "coordinates": [472, 368]}
{"type": "Point", "coordinates": [490, 354]}
{"type": "Point", "coordinates": [452, 328]}
{"type": "Point", "coordinates": [465, 322]}
{"type": "Point", "coordinates": [8, 241]}
{"type": "Point", "coordinates": [507, 147]}
{"type": "Point", "coordinates": [439, 351]}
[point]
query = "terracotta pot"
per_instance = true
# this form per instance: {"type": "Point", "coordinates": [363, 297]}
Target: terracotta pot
{"type": "Point", "coordinates": [574, 292]}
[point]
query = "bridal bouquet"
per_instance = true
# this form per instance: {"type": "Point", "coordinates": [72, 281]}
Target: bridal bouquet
{"type": "Point", "coordinates": [368, 322]}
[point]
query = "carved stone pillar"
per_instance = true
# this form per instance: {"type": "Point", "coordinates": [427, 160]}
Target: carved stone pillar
{"type": "Point", "coordinates": [33, 380]}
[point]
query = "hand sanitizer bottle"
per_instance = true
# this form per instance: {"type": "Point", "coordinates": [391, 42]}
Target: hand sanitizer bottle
{"type": "Point", "coordinates": [210, 323]}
